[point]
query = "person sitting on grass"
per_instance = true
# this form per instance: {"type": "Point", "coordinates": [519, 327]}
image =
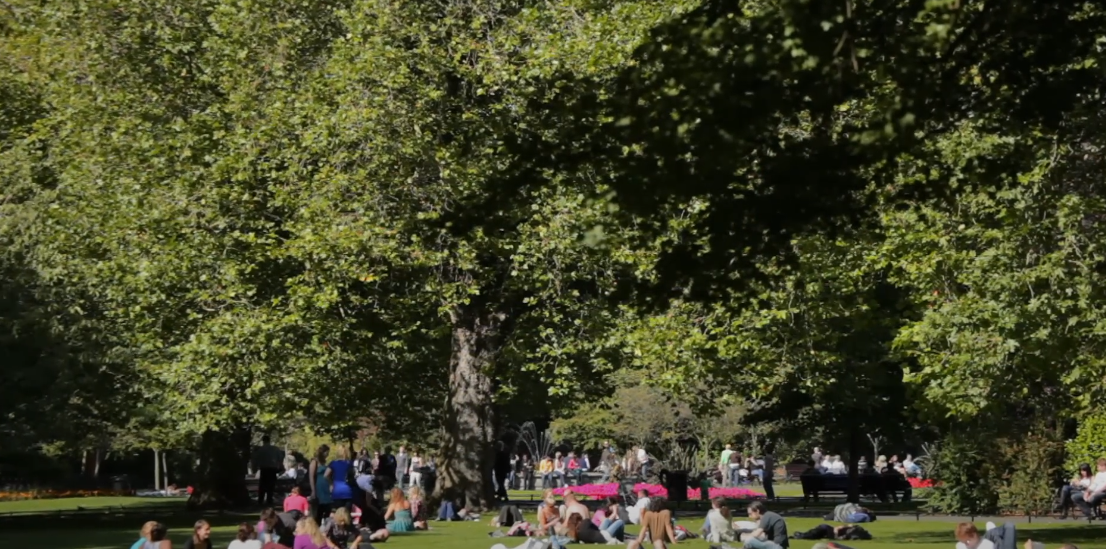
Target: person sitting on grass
{"type": "Point", "coordinates": [341, 533]}
{"type": "Point", "coordinates": [373, 525]}
{"type": "Point", "coordinates": [277, 527]}
{"type": "Point", "coordinates": [639, 507]}
{"type": "Point", "coordinates": [418, 508]}
{"type": "Point", "coordinates": [770, 526]}
{"type": "Point", "coordinates": [399, 511]}
{"type": "Point", "coordinates": [201, 536]}
{"type": "Point", "coordinates": [156, 537]}
{"type": "Point", "coordinates": [549, 518]}
{"type": "Point", "coordinates": [582, 530]}
{"type": "Point", "coordinates": [308, 535]}
{"type": "Point", "coordinates": [613, 521]}
{"type": "Point", "coordinates": [296, 502]}
{"type": "Point", "coordinates": [573, 506]}
{"type": "Point", "coordinates": [718, 526]}
{"type": "Point", "coordinates": [246, 538]}
{"type": "Point", "coordinates": [144, 535]}
{"type": "Point", "coordinates": [656, 526]}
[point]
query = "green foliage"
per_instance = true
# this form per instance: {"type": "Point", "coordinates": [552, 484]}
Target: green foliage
{"type": "Point", "coordinates": [1089, 444]}
{"type": "Point", "coordinates": [1036, 465]}
{"type": "Point", "coordinates": [967, 479]}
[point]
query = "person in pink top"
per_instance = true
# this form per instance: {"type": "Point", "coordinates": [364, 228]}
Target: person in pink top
{"type": "Point", "coordinates": [296, 502]}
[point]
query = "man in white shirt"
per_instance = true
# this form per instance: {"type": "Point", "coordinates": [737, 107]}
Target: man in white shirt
{"type": "Point", "coordinates": [1093, 496]}
{"type": "Point", "coordinates": [639, 507]}
{"type": "Point", "coordinates": [837, 467]}
{"type": "Point", "coordinates": [643, 459]}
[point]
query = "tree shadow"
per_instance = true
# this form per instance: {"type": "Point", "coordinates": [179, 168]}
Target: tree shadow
{"type": "Point", "coordinates": [1078, 533]}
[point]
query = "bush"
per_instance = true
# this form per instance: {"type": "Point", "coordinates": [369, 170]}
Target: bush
{"type": "Point", "coordinates": [964, 475]}
{"type": "Point", "coordinates": [1034, 468]}
{"type": "Point", "coordinates": [1089, 443]}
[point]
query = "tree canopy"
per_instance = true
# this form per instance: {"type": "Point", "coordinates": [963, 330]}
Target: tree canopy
{"type": "Point", "coordinates": [233, 216]}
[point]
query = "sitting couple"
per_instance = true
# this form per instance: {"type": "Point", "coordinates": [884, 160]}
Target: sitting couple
{"type": "Point", "coordinates": [766, 530]}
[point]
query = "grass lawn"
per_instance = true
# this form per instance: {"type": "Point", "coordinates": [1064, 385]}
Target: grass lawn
{"type": "Point", "coordinates": [69, 504]}
{"type": "Point", "coordinates": [474, 535]}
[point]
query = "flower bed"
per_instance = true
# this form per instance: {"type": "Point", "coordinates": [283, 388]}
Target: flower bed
{"type": "Point", "coordinates": [59, 494]}
{"type": "Point", "coordinates": [600, 491]}
{"type": "Point", "coordinates": [920, 482]}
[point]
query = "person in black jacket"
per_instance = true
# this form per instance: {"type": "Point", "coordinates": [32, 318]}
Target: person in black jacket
{"type": "Point", "coordinates": [502, 471]}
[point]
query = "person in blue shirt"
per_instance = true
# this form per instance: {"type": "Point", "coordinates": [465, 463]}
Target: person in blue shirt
{"type": "Point", "coordinates": [339, 472]}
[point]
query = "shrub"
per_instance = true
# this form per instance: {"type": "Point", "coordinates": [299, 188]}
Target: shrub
{"type": "Point", "coordinates": [964, 475]}
{"type": "Point", "coordinates": [1034, 468]}
{"type": "Point", "coordinates": [1089, 443]}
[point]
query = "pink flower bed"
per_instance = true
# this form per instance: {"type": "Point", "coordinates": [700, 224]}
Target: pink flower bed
{"type": "Point", "coordinates": [920, 483]}
{"type": "Point", "coordinates": [600, 491]}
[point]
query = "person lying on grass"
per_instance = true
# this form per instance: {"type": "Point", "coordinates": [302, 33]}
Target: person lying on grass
{"type": "Point", "coordinates": [842, 532]}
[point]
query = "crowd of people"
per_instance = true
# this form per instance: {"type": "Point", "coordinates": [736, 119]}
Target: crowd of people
{"type": "Point", "coordinates": [347, 502]}
{"type": "Point", "coordinates": [834, 465]}
{"type": "Point", "coordinates": [735, 469]}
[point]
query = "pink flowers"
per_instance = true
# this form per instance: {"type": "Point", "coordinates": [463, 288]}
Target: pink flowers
{"type": "Point", "coordinates": [600, 491]}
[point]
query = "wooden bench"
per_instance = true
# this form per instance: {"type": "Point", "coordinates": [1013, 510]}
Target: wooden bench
{"type": "Point", "coordinates": [793, 471]}
{"type": "Point", "coordinates": [879, 486]}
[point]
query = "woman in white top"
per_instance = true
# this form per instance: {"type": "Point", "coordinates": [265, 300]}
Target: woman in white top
{"type": "Point", "coordinates": [416, 468]}
{"type": "Point", "coordinates": [246, 538]}
{"type": "Point", "coordinates": [718, 527]}
{"type": "Point", "coordinates": [1081, 482]}
{"type": "Point", "coordinates": [643, 459]}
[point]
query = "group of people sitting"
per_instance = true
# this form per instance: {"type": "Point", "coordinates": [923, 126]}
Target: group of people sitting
{"type": "Point", "coordinates": [1086, 491]}
{"type": "Point", "coordinates": [833, 465]}
{"type": "Point", "coordinates": [572, 522]}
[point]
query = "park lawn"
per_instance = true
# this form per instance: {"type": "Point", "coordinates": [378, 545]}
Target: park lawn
{"type": "Point", "coordinates": [70, 504]}
{"type": "Point", "coordinates": [931, 534]}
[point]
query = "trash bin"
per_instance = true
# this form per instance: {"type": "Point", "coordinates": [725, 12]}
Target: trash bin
{"type": "Point", "coordinates": [120, 483]}
{"type": "Point", "coordinates": [676, 484]}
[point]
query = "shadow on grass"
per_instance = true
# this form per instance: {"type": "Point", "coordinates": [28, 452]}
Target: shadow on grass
{"type": "Point", "coordinates": [1080, 534]}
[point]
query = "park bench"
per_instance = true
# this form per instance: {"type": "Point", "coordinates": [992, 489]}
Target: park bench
{"type": "Point", "coordinates": [793, 471]}
{"type": "Point", "coordinates": [879, 486]}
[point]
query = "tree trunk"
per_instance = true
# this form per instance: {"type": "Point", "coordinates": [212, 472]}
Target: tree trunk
{"type": "Point", "coordinates": [164, 470]}
{"type": "Point", "coordinates": [221, 475]}
{"type": "Point", "coordinates": [854, 460]}
{"type": "Point", "coordinates": [157, 470]}
{"type": "Point", "coordinates": [468, 451]}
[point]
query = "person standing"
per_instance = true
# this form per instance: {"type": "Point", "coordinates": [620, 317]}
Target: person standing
{"type": "Point", "coordinates": [416, 468]}
{"type": "Point", "coordinates": [502, 469]}
{"type": "Point", "coordinates": [403, 461]}
{"type": "Point", "coordinates": [817, 456]}
{"type": "Point", "coordinates": [768, 472]}
{"type": "Point", "coordinates": [643, 459]}
{"type": "Point", "coordinates": [320, 484]}
{"type": "Point", "coordinates": [339, 471]}
{"type": "Point", "coordinates": [268, 460]}
{"type": "Point", "coordinates": [385, 473]}
{"type": "Point", "coordinates": [724, 465]}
